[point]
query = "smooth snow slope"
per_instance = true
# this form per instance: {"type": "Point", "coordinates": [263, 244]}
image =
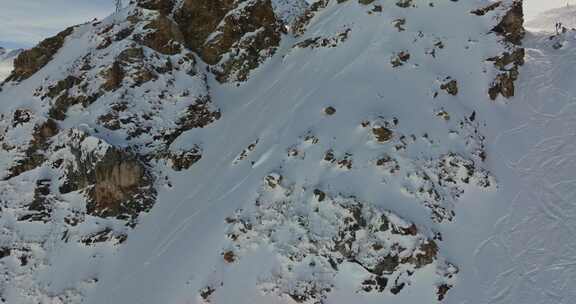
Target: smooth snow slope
{"type": "Point", "coordinates": [547, 20]}
{"type": "Point", "coordinates": [531, 249]}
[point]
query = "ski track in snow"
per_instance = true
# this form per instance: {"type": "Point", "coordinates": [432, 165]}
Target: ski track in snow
{"type": "Point", "coordinates": [537, 234]}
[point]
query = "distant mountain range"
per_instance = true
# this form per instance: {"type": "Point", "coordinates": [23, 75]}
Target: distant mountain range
{"type": "Point", "coordinates": [547, 20]}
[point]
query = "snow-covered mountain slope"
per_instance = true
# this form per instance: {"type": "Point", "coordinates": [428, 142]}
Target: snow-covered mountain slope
{"type": "Point", "coordinates": [547, 20]}
{"type": "Point", "coordinates": [290, 152]}
{"type": "Point", "coordinates": [6, 61]}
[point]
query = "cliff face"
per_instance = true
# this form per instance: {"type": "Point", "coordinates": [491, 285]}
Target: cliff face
{"type": "Point", "coordinates": [328, 143]}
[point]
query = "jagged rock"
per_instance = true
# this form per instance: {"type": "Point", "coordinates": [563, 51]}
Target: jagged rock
{"type": "Point", "coordinates": [118, 178]}
{"type": "Point", "coordinates": [185, 159]}
{"type": "Point", "coordinates": [511, 27]}
{"type": "Point", "coordinates": [105, 235]}
{"type": "Point", "coordinates": [114, 77]}
{"type": "Point", "coordinates": [512, 24]}
{"type": "Point", "coordinates": [199, 19]}
{"type": "Point", "coordinates": [330, 42]}
{"type": "Point", "coordinates": [21, 116]}
{"type": "Point", "coordinates": [504, 85]}
{"type": "Point", "coordinates": [164, 37]}
{"type": "Point", "coordinates": [400, 58]}
{"type": "Point", "coordinates": [116, 182]}
{"type": "Point", "coordinates": [301, 23]}
{"type": "Point", "coordinates": [450, 86]}
{"type": "Point", "coordinates": [34, 153]}
{"type": "Point", "coordinates": [382, 134]}
{"type": "Point", "coordinates": [484, 10]}
{"type": "Point", "coordinates": [41, 208]}
{"type": "Point", "coordinates": [508, 64]}
{"type": "Point", "coordinates": [60, 93]}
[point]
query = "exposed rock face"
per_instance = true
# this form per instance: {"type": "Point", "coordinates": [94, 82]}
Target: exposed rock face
{"type": "Point", "coordinates": [301, 22]}
{"type": "Point", "coordinates": [508, 64]}
{"type": "Point", "coordinates": [512, 24]}
{"type": "Point", "coordinates": [117, 183]}
{"type": "Point", "coordinates": [33, 155]}
{"type": "Point", "coordinates": [199, 18]}
{"type": "Point", "coordinates": [245, 33]}
{"type": "Point", "coordinates": [118, 179]}
{"type": "Point", "coordinates": [165, 36]}
{"type": "Point", "coordinates": [511, 28]}
{"type": "Point", "coordinates": [214, 29]}
{"type": "Point", "coordinates": [31, 61]}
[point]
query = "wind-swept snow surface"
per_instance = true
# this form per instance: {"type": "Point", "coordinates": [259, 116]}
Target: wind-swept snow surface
{"type": "Point", "coordinates": [325, 152]}
{"type": "Point", "coordinates": [547, 20]}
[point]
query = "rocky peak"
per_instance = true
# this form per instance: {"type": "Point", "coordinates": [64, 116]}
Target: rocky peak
{"type": "Point", "coordinates": [247, 31]}
{"type": "Point", "coordinates": [135, 114]}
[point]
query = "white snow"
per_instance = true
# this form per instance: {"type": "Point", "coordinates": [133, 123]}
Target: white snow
{"type": "Point", "coordinates": [7, 57]}
{"type": "Point", "coordinates": [512, 235]}
{"type": "Point", "coordinates": [546, 20]}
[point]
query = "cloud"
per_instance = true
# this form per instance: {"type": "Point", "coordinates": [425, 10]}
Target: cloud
{"type": "Point", "coordinates": [24, 23]}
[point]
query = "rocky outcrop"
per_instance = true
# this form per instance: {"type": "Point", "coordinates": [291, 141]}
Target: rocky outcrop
{"type": "Point", "coordinates": [34, 154]}
{"type": "Point", "coordinates": [511, 28]}
{"type": "Point", "coordinates": [122, 187]}
{"type": "Point", "coordinates": [508, 64]}
{"type": "Point", "coordinates": [214, 29]}
{"type": "Point", "coordinates": [116, 182]}
{"type": "Point", "coordinates": [164, 36]}
{"type": "Point", "coordinates": [326, 234]}
{"type": "Point", "coordinates": [31, 61]}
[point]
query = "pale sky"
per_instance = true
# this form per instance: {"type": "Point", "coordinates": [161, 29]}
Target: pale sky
{"type": "Point", "coordinates": [25, 22]}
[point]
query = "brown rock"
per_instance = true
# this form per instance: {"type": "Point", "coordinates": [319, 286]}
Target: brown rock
{"type": "Point", "coordinates": [114, 77]}
{"type": "Point", "coordinates": [512, 24]}
{"type": "Point", "coordinates": [229, 257]}
{"type": "Point", "coordinates": [199, 19]}
{"type": "Point", "coordinates": [117, 179]}
{"type": "Point", "coordinates": [329, 111]}
{"type": "Point", "coordinates": [451, 87]}
{"type": "Point", "coordinates": [382, 134]}
{"type": "Point", "coordinates": [165, 37]}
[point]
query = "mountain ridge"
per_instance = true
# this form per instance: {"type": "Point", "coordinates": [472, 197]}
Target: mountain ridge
{"type": "Point", "coordinates": [245, 154]}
